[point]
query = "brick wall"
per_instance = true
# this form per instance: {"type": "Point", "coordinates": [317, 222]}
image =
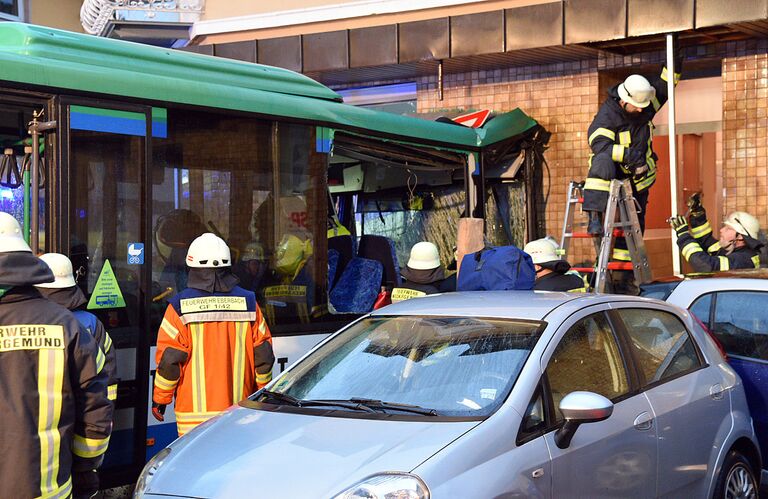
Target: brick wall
{"type": "Point", "coordinates": [561, 97]}
{"type": "Point", "coordinates": [564, 98]}
{"type": "Point", "coordinates": [745, 135]}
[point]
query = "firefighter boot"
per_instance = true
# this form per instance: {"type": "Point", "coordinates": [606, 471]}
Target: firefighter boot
{"type": "Point", "coordinates": [595, 226]}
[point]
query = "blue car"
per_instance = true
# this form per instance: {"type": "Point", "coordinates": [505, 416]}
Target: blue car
{"type": "Point", "coordinates": [481, 395]}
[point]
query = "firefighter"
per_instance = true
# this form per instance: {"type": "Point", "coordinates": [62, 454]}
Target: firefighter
{"type": "Point", "coordinates": [56, 414]}
{"type": "Point", "coordinates": [423, 275]}
{"type": "Point", "coordinates": [620, 138]}
{"type": "Point", "coordinates": [552, 272]}
{"type": "Point", "coordinates": [289, 293]}
{"type": "Point", "coordinates": [65, 291]}
{"type": "Point", "coordinates": [213, 347]}
{"type": "Point", "coordinates": [737, 248]}
{"type": "Point", "coordinates": [252, 268]}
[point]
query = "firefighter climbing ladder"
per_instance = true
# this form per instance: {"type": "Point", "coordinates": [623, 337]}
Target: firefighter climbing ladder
{"type": "Point", "coordinates": [619, 199]}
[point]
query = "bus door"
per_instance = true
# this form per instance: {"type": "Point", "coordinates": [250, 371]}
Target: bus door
{"type": "Point", "coordinates": [105, 235]}
{"type": "Point", "coordinates": [16, 112]}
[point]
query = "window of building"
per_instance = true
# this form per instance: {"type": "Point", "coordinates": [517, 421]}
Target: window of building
{"type": "Point", "coordinates": [11, 10]}
{"type": "Point", "coordinates": [399, 98]}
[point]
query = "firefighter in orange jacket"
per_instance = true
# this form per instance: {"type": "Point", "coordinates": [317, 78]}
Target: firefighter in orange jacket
{"type": "Point", "coordinates": [213, 347]}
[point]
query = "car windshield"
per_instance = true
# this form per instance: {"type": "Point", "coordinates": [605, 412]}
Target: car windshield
{"type": "Point", "coordinates": [451, 366]}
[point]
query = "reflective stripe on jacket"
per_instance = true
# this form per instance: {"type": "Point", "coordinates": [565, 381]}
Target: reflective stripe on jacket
{"type": "Point", "coordinates": [703, 251]}
{"type": "Point", "coordinates": [213, 350]}
{"type": "Point", "coordinates": [56, 415]}
{"type": "Point", "coordinates": [94, 326]}
{"type": "Point", "coordinates": [610, 136]}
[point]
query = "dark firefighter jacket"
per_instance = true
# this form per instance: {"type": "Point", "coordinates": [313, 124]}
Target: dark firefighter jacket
{"type": "Point", "coordinates": [73, 299]}
{"type": "Point", "coordinates": [703, 251]}
{"type": "Point", "coordinates": [418, 283]}
{"type": "Point", "coordinates": [612, 133]}
{"type": "Point", "coordinates": [556, 281]}
{"type": "Point", "coordinates": [56, 415]}
{"type": "Point", "coordinates": [213, 349]}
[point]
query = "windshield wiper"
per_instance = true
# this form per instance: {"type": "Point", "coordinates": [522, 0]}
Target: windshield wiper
{"type": "Point", "coordinates": [380, 404]}
{"type": "Point", "coordinates": [297, 402]}
{"type": "Point", "coordinates": [282, 397]}
{"type": "Point", "coordinates": [351, 404]}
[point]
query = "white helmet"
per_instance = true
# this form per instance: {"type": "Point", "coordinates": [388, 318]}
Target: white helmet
{"type": "Point", "coordinates": [637, 91]}
{"type": "Point", "coordinates": [424, 256]}
{"type": "Point", "coordinates": [542, 250]}
{"type": "Point", "coordinates": [62, 271]}
{"type": "Point", "coordinates": [11, 238]}
{"type": "Point", "coordinates": [208, 251]}
{"type": "Point", "coordinates": [743, 223]}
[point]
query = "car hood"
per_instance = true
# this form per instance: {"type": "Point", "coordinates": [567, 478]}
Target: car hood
{"type": "Point", "coordinates": [272, 454]}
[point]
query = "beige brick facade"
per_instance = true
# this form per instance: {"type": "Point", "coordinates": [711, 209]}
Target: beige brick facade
{"type": "Point", "coordinates": [745, 135]}
{"type": "Point", "coordinates": [561, 97]}
{"type": "Point", "coordinates": [564, 98]}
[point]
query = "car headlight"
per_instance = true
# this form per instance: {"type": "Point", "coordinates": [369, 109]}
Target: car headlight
{"type": "Point", "coordinates": [149, 472]}
{"type": "Point", "coordinates": [387, 486]}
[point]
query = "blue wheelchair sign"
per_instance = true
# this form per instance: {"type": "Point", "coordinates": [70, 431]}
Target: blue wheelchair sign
{"type": "Point", "coordinates": [135, 253]}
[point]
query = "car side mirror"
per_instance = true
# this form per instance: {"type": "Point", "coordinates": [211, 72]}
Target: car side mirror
{"type": "Point", "coordinates": [579, 408]}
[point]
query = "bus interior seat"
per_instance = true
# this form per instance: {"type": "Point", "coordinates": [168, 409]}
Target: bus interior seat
{"type": "Point", "coordinates": [344, 246]}
{"type": "Point", "coordinates": [381, 249]}
{"type": "Point", "coordinates": [358, 287]}
{"type": "Point", "coordinates": [333, 266]}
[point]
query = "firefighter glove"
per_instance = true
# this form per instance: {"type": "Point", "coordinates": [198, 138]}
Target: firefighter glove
{"type": "Point", "coordinates": [85, 484]}
{"type": "Point", "coordinates": [694, 204]}
{"type": "Point", "coordinates": [679, 223]}
{"type": "Point", "coordinates": [158, 411]}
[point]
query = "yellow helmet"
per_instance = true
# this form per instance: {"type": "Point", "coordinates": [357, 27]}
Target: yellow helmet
{"type": "Point", "coordinates": [291, 254]}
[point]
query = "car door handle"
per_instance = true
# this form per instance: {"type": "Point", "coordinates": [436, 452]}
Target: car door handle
{"type": "Point", "coordinates": [716, 391]}
{"type": "Point", "coordinates": [643, 421]}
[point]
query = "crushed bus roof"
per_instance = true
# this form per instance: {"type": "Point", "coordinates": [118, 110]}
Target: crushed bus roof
{"type": "Point", "coordinates": [52, 58]}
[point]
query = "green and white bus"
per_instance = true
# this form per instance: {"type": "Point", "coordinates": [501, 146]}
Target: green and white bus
{"type": "Point", "coordinates": [145, 148]}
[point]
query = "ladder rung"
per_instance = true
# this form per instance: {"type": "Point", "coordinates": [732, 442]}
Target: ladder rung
{"type": "Point", "coordinates": [581, 235]}
{"type": "Point", "coordinates": [611, 266]}
{"type": "Point", "coordinates": [620, 266]}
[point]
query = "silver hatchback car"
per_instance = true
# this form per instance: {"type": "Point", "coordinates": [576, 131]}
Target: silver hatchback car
{"type": "Point", "coordinates": [480, 395]}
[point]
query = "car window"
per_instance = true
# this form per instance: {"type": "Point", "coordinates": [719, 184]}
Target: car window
{"type": "Point", "coordinates": [662, 346]}
{"type": "Point", "coordinates": [701, 308]}
{"type": "Point", "coordinates": [534, 420]}
{"type": "Point", "coordinates": [658, 290]}
{"type": "Point", "coordinates": [587, 358]}
{"type": "Point", "coordinates": [741, 323]}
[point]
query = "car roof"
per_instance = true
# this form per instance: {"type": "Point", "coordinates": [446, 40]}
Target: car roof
{"type": "Point", "coordinates": [526, 305]}
{"type": "Point", "coordinates": [761, 273]}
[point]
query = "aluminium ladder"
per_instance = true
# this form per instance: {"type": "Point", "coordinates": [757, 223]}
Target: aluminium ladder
{"type": "Point", "coordinates": [621, 201]}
